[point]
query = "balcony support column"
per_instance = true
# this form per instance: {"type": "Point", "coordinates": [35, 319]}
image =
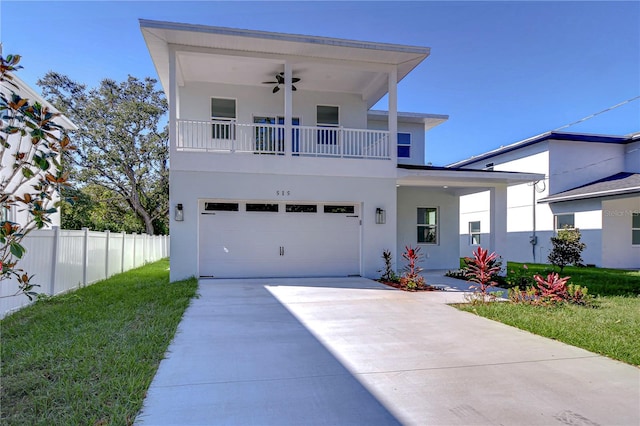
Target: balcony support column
{"type": "Point", "coordinates": [288, 107]}
{"type": "Point", "coordinates": [393, 113]}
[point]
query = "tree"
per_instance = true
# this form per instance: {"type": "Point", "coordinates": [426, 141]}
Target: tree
{"type": "Point", "coordinates": [99, 209]}
{"type": "Point", "coordinates": [121, 145]}
{"type": "Point", "coordinates": [31, 173]}
{"type": "Point", "coordinates": [567, 248]}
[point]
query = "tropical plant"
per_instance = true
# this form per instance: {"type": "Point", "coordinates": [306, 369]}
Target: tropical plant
{"type": "Point", "coordinates": [552, 288]}
{"type": "Point", "coordinates": [481, 269]}
{"type": "Point", "coordinates": [411, 278]}
{"type": "Point", "coordinates": [31, 173]}
{"type": "Point", "coordinates": [388, 274]}
{"type": "Point", "coordinates": [567, 248]}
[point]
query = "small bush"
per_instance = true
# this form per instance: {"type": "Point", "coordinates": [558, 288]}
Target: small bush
{"type": "Point", "coordinates": [552, 290]}
{"type": "Point", "coordinates": [567, 248]}
{"type": "Point", "coordinates": [411, 278]}
{"type": "Point", "coordinates": [388, 274]}
{"type": "Point", "coordinates": [482, 270]}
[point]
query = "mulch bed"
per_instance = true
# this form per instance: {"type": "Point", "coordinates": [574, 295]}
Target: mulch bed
{"type": "Point", "coordinates": [400, 287]}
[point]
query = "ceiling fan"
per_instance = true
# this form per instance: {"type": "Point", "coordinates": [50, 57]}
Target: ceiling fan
{"type": "Point", "coordinates": [280, 80]}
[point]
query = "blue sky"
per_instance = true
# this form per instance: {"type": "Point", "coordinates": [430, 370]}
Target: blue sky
{"type": "Point", "coordinates": [503, 71]}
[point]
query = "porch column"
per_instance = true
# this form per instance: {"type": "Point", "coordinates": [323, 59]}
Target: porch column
{"type": "Point", "coordinates": [393, 113]}
{"type": "Point", "coordinates": [173, 101]}
{"type": "Point", "coordinates": [288, 107]}
{"type": "Point", "coordinates": [498, 222]}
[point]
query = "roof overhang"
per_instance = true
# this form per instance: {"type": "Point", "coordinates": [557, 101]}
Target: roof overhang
{"type": "Point", "coordinates": [461, 181]}
{"type": "Point", "coordinates": [429, 121]}
{"type": "Point", "coordinates": [616, 185]}
{"type": "Point", "coordinates": [247, 57]}
{"type": "Point", "coordinates": [558, 136]}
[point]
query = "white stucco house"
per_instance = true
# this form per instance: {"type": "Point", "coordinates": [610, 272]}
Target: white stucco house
{"type": "Point", "coordinates": [591, 182]}
{"type": "Point", "coordinates": [279, 167]}
{"type": "Point", "coordinates": [17, 143]}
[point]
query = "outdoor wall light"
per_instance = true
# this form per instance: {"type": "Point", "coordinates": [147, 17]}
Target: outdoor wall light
{"type": "Point", "coordinates": [381, 216]}
{"type": "Point", "coordinates": [179, 213]}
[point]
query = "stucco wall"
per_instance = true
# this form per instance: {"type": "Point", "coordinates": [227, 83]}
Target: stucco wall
{"type": "Point", "coordinates": [632, 161]}
{"type": "Point", "coordinates": [573, 164]}
{"type": "Point", "coordinates": [188, 187]}
{"type": "Point", "coordinates": [617, 250]}
{"type": "Point", "coordinates": [445, 254]}
{"type": "Point", "coordinates": [417, 139]}
{"type": "Point", "coordinates": [195, 103]}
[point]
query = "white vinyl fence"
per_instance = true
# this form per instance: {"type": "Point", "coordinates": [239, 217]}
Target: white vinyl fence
{"type": "Point", "coordinates": [63, 260]}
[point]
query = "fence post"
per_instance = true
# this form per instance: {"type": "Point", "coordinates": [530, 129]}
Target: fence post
{"type": "Point", "coordinates": [134, 248]}
{"type": "Point", "coordinates": [124, 240]}
{"type": "Point", "coordinates": [144, 243]}
{"type": "Point", "coordinates": [107, 235]}
{"type": "Point", "coordinates": [54, 260]}
{"type": "Point", "coordinates": [85, 255]}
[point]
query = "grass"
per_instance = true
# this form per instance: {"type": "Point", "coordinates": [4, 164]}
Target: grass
{"type": "Point", "coordinates": [88, 357]}
{"type": "Point", "coordinates": [601, 281]}
{"type": "Point", "coordinates": [610, 327]}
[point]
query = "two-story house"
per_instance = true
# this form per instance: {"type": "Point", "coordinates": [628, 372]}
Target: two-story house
{"type": "Point", "coordinates": [591, 182]}
{"type": "Point", "coordinates": [279, 167]}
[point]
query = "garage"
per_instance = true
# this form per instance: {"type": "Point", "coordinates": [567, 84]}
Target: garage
{"type": "Point", "coordinates": [244, 239]}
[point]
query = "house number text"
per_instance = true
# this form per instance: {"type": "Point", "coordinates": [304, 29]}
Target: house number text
{"type": "Point", "coordinates": [283, 193]}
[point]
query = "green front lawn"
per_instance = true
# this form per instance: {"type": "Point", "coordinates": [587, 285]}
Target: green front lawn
{"type": "Point", "coordinates": [88, 357]}
{"type": "Point", "coordinates": [611, 326]}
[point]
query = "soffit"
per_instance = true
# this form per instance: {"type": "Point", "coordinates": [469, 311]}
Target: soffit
{"type": "Point", "coordinates": [232, 56]}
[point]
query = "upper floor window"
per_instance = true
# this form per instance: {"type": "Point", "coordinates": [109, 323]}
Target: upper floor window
{"type": "Point", "coordinates": [635, 228]}
{"type": "Point", "coordinates": [427, 225]}
{"type": "Point", "coordinates": [474, 233]}
{"type": "Point", "coordinates": [404, 145]}
{"type": "Point", "coordinates": [328, 116]}
{"type": "Point", "coordinates": [223, 113]}
{"type": "Point", "coordinates": [563, 221]}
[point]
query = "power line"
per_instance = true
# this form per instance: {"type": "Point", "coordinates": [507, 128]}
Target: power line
{"type": "Point", "coordinates": [597, 113]}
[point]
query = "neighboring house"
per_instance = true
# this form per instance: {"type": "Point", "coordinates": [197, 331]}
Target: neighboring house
{"type": "Point", "coordinates": [18, 214]}
{"type": "Point", "coordinates": [279, 167]}
{"type": "Point", "coordinates": [592, 182]}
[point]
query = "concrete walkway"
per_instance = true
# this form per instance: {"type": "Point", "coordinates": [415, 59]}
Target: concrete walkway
{"type": "Point", "coordinates": [351, 351]}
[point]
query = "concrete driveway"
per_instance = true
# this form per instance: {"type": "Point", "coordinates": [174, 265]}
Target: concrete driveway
{"type": "Point", "coordinates": [350, 351]}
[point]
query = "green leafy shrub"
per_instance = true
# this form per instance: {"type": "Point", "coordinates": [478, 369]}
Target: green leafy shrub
{"type": "Point", "coordinates": [567, 248]}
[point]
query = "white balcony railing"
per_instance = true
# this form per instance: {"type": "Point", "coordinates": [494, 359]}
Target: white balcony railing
{"type": "Point", "coordinates": [234, 137]}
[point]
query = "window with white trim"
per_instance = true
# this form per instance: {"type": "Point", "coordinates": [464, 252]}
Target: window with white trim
{"type": "Point", "coordinates": [404, 145]}
{"type": "Point", "coordinates": [564, 221]}
{"type": "Point", "coordinates": [635, 228]}
{"type": "Point", "coordinates": [328, 116]}
{"type": "Point", "coordinates": [474, 233]}
{"type": "Point", "coordinates": [223, 114]}
{"type": "Point", "coordinates": [427, 225]}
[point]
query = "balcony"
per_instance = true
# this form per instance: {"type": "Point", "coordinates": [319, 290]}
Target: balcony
{"type": "Point", "coordinates": [306, 141]}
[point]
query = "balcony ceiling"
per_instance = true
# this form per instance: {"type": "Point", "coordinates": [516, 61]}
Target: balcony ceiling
{"type": "Point", "coordinates": [232, 56]}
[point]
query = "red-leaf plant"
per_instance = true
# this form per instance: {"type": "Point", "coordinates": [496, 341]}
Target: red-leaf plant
{"type": "Point", "coordinates": [553, 288]}
{"type": "Point", "coordinates": [481, 270]}
{"type": "Point", "coordinates": [411, 278]}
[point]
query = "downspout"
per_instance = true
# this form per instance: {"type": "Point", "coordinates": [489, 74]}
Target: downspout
{"type": "Point", "coordinates": [534, 239]}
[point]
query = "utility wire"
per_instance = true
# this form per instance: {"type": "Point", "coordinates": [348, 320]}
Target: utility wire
{"type": "Point", "coordinates": [597, 113]}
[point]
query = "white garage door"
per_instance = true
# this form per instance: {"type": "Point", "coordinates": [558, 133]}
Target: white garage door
{"type": "Point", "coordinates": [273, 239]}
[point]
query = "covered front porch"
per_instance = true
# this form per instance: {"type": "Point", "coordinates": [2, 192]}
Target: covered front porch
{"type": "Point", "coordinates": [428, 210]}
